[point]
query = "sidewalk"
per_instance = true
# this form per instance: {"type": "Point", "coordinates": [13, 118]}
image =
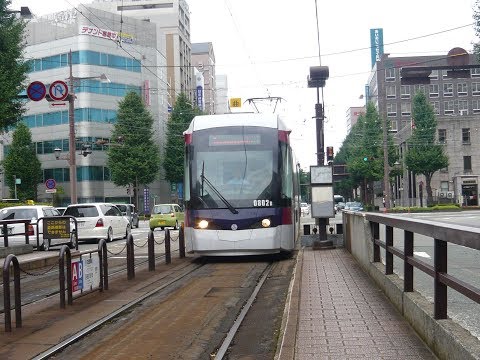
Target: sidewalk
{"type": "Point", "coordinates": [336, 312]}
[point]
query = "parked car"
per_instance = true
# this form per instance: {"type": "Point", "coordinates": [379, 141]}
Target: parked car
{"type": "Point", "coordinates": [128, 210]}
{"type": "Point", "coordinates": [99, 221]}
{"type": "Point", "coordinates": [354, 206]}
{"type": "Point", "coordinates": [164, 215]}
{"type": "Point", "coordinates": [33, 213]}
{"type": "Point", "coordinates": [304, 208]}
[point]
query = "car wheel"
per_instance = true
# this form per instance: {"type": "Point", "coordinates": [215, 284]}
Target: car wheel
{"type": "Point", "coordinates": [109, 235]}
{"type": "Point", "coordinates": [73, 241]}
{"type": "Point", "coordinates": [176, 225]}
{"type": "Point", "coordinates": [128, 231]}
{"type": "Point", "coordinates": [153, 229]}
{"type": "Point", "coordinates": [137, 224]}
{"type": "Point", "coordinates": [46, 245]}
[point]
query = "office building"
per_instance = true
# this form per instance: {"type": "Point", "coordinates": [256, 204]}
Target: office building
{"type": "Point", "coordinates": [456, 103]}
{"type": "Point", "coordinates": [203, 58]}
{"type": "Point", "coordinates": [130, 53]}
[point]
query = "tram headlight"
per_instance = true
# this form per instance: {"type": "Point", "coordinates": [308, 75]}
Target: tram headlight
{"type": "Point", "coordinates": [266, 223]}
{"type": "Point", "coordinates": [203, 224]}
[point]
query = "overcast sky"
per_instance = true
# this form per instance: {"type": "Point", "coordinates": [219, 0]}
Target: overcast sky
{"type": "Point", "coordinates": [266, 47]}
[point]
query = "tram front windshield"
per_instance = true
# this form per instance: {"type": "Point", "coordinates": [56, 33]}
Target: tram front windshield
{"type": "Point", "coordinates": [235, 166]}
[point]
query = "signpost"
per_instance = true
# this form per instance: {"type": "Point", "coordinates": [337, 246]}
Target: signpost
{"type": "Point", "coordinates": [51, 186]}
{"type": "Point", "coordinates": [36, 91]}
{"type": "Point", "coordinates": [58, 90]}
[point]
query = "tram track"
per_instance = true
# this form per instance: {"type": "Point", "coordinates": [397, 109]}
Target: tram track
{"type": "Point", "coordinates": [197, 314]}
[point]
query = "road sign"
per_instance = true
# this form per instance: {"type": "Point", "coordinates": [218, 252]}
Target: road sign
{"type": "Point", "coordinates": [50, 191]}
{"type": "Point", "coordinates": [57, 104]}
{"type": "Point", "coordinates": [50, 184]}
{"type": "Point", "coordinates": [36, 91]}
{"type": "Point", "coordinates": [58, 90]}
{"type": "Point", "coordinates": [235, 102]}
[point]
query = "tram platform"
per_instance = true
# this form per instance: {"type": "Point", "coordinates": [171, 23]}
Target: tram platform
{"type": "Point", "coordinates": [335, 311]}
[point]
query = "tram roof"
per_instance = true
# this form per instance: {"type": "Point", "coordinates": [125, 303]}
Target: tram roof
{"type": "Point", "coordinates": [203, 122]}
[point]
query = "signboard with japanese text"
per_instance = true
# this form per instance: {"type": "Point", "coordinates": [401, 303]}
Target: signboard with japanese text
{"type": "Point", "coordinates": [106, 34]}
{"type": "Point", "coordinates": [146, 200]}
{"type": "Point", "coordinates": [86, 273]}
{"type": "Point", "coordinates": [54, 228]}
{"type": "Point", "coordinates": [235, 102]}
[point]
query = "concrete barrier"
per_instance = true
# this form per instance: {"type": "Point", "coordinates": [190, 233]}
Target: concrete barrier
{"type": "Point", "coordinates": [446, 338]}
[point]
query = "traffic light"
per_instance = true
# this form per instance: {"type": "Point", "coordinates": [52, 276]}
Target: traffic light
{"type": "Point", "coordinates": [329, 153]}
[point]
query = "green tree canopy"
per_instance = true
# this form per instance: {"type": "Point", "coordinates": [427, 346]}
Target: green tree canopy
{"type": "Point", "coordinates": [21, 162]}
{"type": "Point", "coordinates": [13, 67]}
{"type": "Point", "coordinates": [182, 114]}
{"type": "Point", "coordinates": [135, 158]}
{"type": "Point", "coordinates": [424, 155]}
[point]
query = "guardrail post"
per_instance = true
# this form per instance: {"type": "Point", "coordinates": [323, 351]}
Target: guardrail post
{"type": "Point", "coordinates": [6, 292]}
{"type": "Point", "coordinates": [102, 255]}
{"type": "Point", "coordinates": [61, 275]}
{"type": "Point", "coordinates": [151, 251]}
{"type": "Point", "coordinates": [440, 290]}
{"type": "Point", "coordinates": [388, 254]}
{"type": "Point", "coordinates": [168, 256]}
{"type": "Point", "coordinates": [130, 258]}
{"type": "Point", "coordinates": [376, 236]}
{"type": "Point", "coordinates": [407, 268]}
{"type": "Point", "coordinates": [181, 241]}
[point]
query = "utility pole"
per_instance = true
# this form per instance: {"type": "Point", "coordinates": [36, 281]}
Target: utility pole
{"type": "Point", "coordinates": [71, 134]}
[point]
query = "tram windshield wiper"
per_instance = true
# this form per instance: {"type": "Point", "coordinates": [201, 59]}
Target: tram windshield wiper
{"type": "Point", "coordinates": [225, 201]}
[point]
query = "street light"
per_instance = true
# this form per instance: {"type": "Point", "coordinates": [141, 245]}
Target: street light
{"type": "Point", "coordinates": [71, 124]}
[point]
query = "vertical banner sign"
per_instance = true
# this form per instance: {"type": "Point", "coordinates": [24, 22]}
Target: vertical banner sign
{"type": "Point", "coordinates": [146, 92]}
{"type": "Point", "coordinates": [200, 97]}
{"type": "Point", "coordinates": [180, 190]}
{"type": "Point", "coordinates": [376, 45]}
{"type": "Point", "coordinates": [146, 200]}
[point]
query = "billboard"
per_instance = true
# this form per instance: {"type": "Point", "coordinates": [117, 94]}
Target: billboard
{"type": "Point", "coordinates": [376, 45]}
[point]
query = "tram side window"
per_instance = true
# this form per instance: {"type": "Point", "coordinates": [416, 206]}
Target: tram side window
{"type": "Point", "coordinates": [186, 179]}
{"type": "Point", "coordinates": [286, 171]}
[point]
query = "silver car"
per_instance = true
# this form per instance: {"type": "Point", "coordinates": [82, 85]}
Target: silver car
{"type": "Point", "coordinates": [99, 221]}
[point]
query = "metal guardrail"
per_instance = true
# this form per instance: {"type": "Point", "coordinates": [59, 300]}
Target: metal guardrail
{"type": "Point", "coordinates": [4, 232]}
{"type": "Point", "coordinates": [443, 234]}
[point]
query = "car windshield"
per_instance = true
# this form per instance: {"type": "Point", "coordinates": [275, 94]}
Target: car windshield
{"type": "Point", "coordinates": [162, 209]}
{"type": "Point", "coordinates": [9, 214]}
{"type": "Point", "coordinates": [82, 211]}
{"type": "Point", "coordinates": [122, 208]}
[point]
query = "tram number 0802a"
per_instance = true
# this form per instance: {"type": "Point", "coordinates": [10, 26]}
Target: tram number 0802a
{"type": "Point", "coordinates": [262, 203]}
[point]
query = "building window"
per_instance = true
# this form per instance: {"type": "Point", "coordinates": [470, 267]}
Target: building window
{"type": "Point", "coordinates": [434, 75]}
{"type": "Point", "coordinates": [475, 72]}
{"type": "Point", "coordinates": [393, 125]}
{"type": "Point", "coordinates": [405, 92]}
{"type": "Point", "coordinates": [448, 107]}
{"type": "Point", "coordinates": [444, 73]}
{"type": "Point", "coordinates": [467, 163]}
{"type": "Point", "coordinates": [443, 186]}
{"type": "Point", "coordinates": [391, 93]}
{"type": "Point", "coordinates": [390, 74]}
{"type": "Point", "coordinates": [447, 89]}
{"type": "Point", "coordinates": [476, 106]}
{"type": "Point", "coordinates": [406, 108]}
{"type": "Point", "coordinates": [436, 107]}
{"type": "Point", "coordinates": [433, 90]}
{"type": "Point", "coordinates": [466, 136]}
{"type": "Point", "coordinates": [462, 89]}
{"type": "Point", "coordinates": [419, 87]}
{"type": "Point", "coordinates": [391, 109]}
{"type": "Point", "coordinates": [475, 89]}
{"type": "Point", "coordinates": [462, 107]}
{"type": "Point", "coordinates": [442, 136]}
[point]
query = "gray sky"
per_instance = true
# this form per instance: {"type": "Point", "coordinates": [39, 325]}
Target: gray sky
{"type": "Point", "coordinates": [266, 47]}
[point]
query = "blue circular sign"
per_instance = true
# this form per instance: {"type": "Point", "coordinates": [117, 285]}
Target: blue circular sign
{"type": "Point", "coordinates": [36, 91]}
{"type": "Point", "coordinates": [50, 184]}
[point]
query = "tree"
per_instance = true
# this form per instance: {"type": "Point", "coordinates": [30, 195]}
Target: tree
{"type": "Point", "coordinates": [424, 156]}
{"type": "Point", "coordinates": [476, 17]}
{"type": "Point", "coordinates": [182, 114]}
{"type": "Point", "coordinates": [133, 158]}
{"type": "Point", "coordinates": [21, 162]}
{"type": "Point", "coordinates": [13, 67]}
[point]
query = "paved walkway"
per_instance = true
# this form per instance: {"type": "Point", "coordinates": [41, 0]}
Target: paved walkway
{"type": "Point", "coordinates": [337, 312]}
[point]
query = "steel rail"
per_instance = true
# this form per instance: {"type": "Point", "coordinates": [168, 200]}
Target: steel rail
{"type": "Point", "coordinates": [233, 330]}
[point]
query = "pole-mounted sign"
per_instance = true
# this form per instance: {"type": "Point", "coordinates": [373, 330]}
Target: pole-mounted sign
{"type": "Point", "coordinates": [36, 91]}
{"type": "Point", "coordinates": [58, 90]}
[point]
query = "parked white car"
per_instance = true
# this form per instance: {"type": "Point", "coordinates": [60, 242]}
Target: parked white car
{"type": "Point", "coordinates": [99, 221]}
{"type": "Point", "coordinates": [32, 213]}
